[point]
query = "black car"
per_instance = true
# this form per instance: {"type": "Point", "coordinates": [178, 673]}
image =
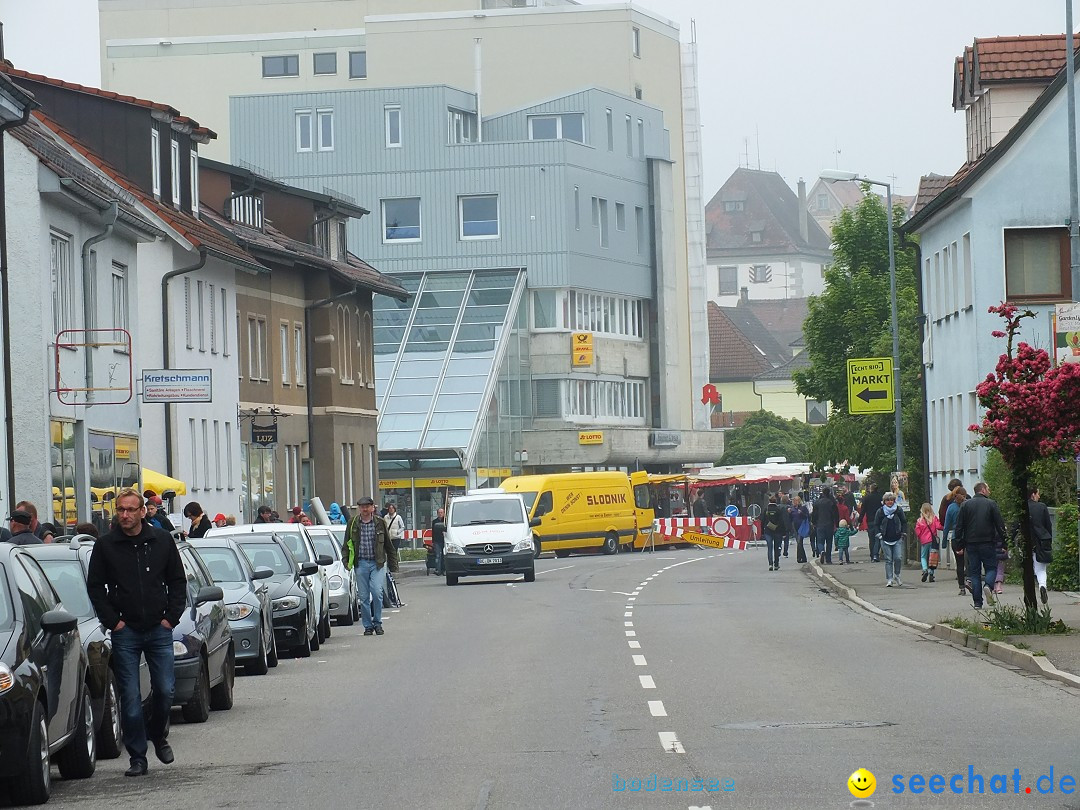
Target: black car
{"type": "Point", "coordinates": [295, 621]}
{"type": "Point", "coordinates": [66, 564]}
{"type": "Point", "coordinates": [45, 706]}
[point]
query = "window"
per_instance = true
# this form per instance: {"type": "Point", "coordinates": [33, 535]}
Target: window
{"type": "Point", "coordinates": [200, 309]}
{"type": "Point", "coordinates": [567, 126]}
{"type": "Point", "coordinates": [119, 296]}
{"type": "Point", "coordinates": [546, 398]}
{"type": "Point", "coordinates": [610, 129]}
{"type": "Point", "coordinates": [298, 354]}
{"type": "Point", "coordinates": [257, 365]}
{"type": "Point", "coordinates": [822, 202]}
{"type": "Point", "coordinates": [213, 320]}
{"type": "Point", "coordinates": [731, 206]}
{"type": "Point", "coordinates": [479, 217]}
{"type": "Point", "coordinates": [641, 138]}
{"type": "Point", "coordinates": [728, 280]}
{"type": "Point", "coordinates": [224, 325]}
{"type": "Point", "coordinates": [284, 347]}
{"type": "Point", "coordinates": [63, 283]}
{"type": "Point", "coordinates": [341, 243]}
{"type": "Point", "coordinates": [155, 161]}
{"type": "Point", "coordinates": [194, 182]}
{"type": "Point", "coordinates": [368, 339]}
{"type": "Point", "coordinates": [620, 217]}
{"type": "Point", "coordinates": [277, 66]}
{"type": "Point", "coordinates": [596, 212]}
{"type": "Point", "coordinates": [325, 119]}
{"type": "Point", "coordinates": [968, 278]}
{"type": "Point", "coordinates": [545, 315]}
{"type": "Point", "coordinates": [602, 212]}
{"type": "Point", "coordinates": [358, 65]}
{"type": "Point", "coordinates": [604, 399]}
{"type": "Point", "coordinates": [577, 208]}
{"type": "Point", "coordinates": [573, 127]}
{"type": "Point", "coordinates": [187, 314]}
{"type": "Point", "coordinates": [217, 454]}
{"type": "Point", "coordinates": [629, 136]}
{"type": "Point", "coordinates": [247, 209]}
{"type": "Point", "coordinates": [760, 274]}
{"type": "Point", "coordinates": [303, 131]}
{"type": "Point", "coordinates": [755, 237]}
{"type": "Point", "coordinates": [401, 220]}
{"type": "Point", "coordinates": [174, 167]}
{"type": "Point", "coordinates": [344, 350]}
{"type": "Point", "coordinates": [461, 126]}
{"type": "Point", "coordinates": [392, 113]}
{"type": "Point", "coordinates": [637, 92]}
{"type": "Point", "coordinates": [348, 460]}
{"type": "Point", "coordinates": [228, 456]}
{"type": "Point", "coordinates": [92, 291]}
{"type": "Point", "coordinates": [639, 221]}
{"type": "Point", "coordinates": [1037, 263]}
{"type": "Point", "coordinates": [635, 41]}
{"type": "Point", "coordinates": [324, 64]}
{"type": "Point", "coordinates": [206, 456]}
{"type": "Point", "coordinates": [292, 474]}
{"type": "Point", "coordinates": [194, 454]}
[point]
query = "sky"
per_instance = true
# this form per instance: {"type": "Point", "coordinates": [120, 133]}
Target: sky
{"type": "Point", "coordinates": [789, 85]}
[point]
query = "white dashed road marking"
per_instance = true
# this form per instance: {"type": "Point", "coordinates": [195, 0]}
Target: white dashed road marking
{"type": "Point", "coordinates": [634, 645]}
{"type": "Point", "coordinates": [549, 570]}
{"type": "Point", "coordinates": [628, 613]}
{"type": "Point", "coordinates": [671, 743]}
{"type": "Point", "coordinates": [639, 661]}
{"type": "Point", "coordinates": [656, 708]}
{"type": "Point", "coordinates": [628, 624]}
{"type": "Point", "coordinates": [647, 682]}
{"type": "Point", "coordinates": [630, 632]}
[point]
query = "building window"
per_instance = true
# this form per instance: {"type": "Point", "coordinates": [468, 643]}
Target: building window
{"type": "Point", "coordinates": [187, 314]}
{"type": "Point", "coordinates": [174, 167]}
{"type": "Point", "coordinates": [729, 280]}
{"type": "Point", "coordinates": [348, 460]}
{"type": "Point", "coordinates": [120, 296]}
{"type": "Point", "coordinates": [822, 202]}
{"type": "Point", "coordinates": [345, 350]}
{"type": "Point", "coordinates": [639, 221]}
{"type": "Point", "coordinates": [577, 209]}
{"type": "Point", "coordinates": [637, 92]}
{"type": "Point", "coordinates": [277, 66]}
{"type": "Point", "coordinates": [567, 126]}
{"type": "Point", "coordinates": [401, 219]}
{"type": "Point", "coordinates": [325, 120]}
{"type": "Point", "coordinates": [304, 138]}
{"type": "Point", "coordinates": [641, 138]}
{"type": "Point", "coordinates": [730, 206]}
{"type": "Point", "coordinates": [92, 292]}
{"type": "Point", "coordinates": [620, 217]}
{"type": "Point", "coordinates": [194, 182]}
{"type": "Point", "coordinates": [460, 126]}
{"type": "Point", "coordinates": [200, 309]}
{"type": "Point", "coordinates": [194, 454]}
{"type": "Point", "coordinates": [635, 41]}
{"type": "Point", "coordinates": [629, 136]}
{"type": "Point", "coordinates": [968, 278]}
{"type": "Point", "coordinates": [228, 456]}
{"type": "Point", "coordinates": [1037, 264]}
{"type": "Point", "coordinates": [217, 454]}
{"type": "Point", "coordinates": [283, 345]}
{"type": "Point", "coordinates": [358, 65]}
{"type": "Point", "coordinates": [247, 209]}
{"type": "Point", "coordinates": [63, 283]}
{"type": "Point", "coordinates": [545, 312]}
{"type": "Point", "coordinates": [224, 325]}
{"type": "Point", "coordinates": [342, 241]}
{"type": "Point", "coordinates": [610, 119]}
{"type": "Point", "coordinates": [324, 64]}
{"type": "Point", "coordinates": [298, 354]}
{"type": "Point", "coordinates": [478, 217]}
{"type": "Point", "coordinates": [602, 213]}
{"type": "Point", "coordinates": [213, 321]}
{"type": "Point", "coordinates": [257, 365]}
{"type": "Point", "coordinates": [206, 456]}
{"type": "Point", "coordinates": [760, 274]}
{"type": "Point", "coordinates": [546, 399]}
{"type": "Point", "coordinates": [155, 161]}
{"type": "Point", "coordinates": [603, 399]}
{"type": "Point", "coordinates": [755, 236]}
{"type": "Point", "coordinates": [392, 114]}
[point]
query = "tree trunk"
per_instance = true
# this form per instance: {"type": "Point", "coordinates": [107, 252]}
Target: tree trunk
{"type": "Point", "coordinates": [1020, 483]}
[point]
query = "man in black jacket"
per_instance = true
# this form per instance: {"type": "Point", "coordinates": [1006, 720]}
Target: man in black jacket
{"type": "Point", "coordinates": [1042, 539]}
{"type": "Point", "coordinates": [871, 503]}
{"type": "Point", "coordinates": [825, 518]}
{"type": "Point", "coordinates": [137, 585]}
{"type": "Point", "coordinates": [979, 528]}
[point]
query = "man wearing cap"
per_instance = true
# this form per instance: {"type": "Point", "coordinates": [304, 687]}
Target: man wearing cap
{"type": "Point", "coordinates": [21, 535]}
{"type": "Point", "coordinates": [41, 530]}
{"type": "Point", "coordinates": [264, 515]}
{"type": "Point", "coordinates": [219, 520]}
{"type": "Point", "coordinates": [368, 549]}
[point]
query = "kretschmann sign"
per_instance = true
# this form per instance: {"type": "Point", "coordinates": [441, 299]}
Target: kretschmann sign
{"type": "Point", "coordinates": [177, 385]}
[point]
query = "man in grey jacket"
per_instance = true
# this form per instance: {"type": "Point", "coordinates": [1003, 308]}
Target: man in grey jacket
{"type": "Point", "coordinates": [979, 526]}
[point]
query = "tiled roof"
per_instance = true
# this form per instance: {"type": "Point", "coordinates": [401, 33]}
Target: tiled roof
{"type": "Point", "coordinates": [930, 185]}
{"type": "Point", "coordinates": [1007, 60]}
{"type": "Point", "coordinates": [847, 192]}
{"type": "Point", "coordinates": [784, 372]}
{"type": "Point", "coordinates": [769, 207]}
{"type": "Point", "coordinates": [782, 317]}
{"type": "Point", "coordinates": [740, 348]}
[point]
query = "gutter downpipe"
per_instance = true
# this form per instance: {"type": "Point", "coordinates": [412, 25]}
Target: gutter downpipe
{"type": "Point", "coordinates": [308, 378]}
{"type": "Point", "coordinates": [108, 219]}
{"type": "Point", "coordinates": [165, 359]}
{"type": "Point", "coordinates": [5, 308]}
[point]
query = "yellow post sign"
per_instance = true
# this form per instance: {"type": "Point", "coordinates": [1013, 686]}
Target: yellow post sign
{"type": "Point", "coordinates": [870, 385]}
{"type": "Point", "coordinates": [581, 347]}
{"type": "Point", "coordinates": [590, 437]}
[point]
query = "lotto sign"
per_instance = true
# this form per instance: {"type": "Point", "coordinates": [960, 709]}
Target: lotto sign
{"type": "Point", "coordinates": [581, 348]}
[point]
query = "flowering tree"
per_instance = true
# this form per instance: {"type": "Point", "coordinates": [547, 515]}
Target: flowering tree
{"type": "Point", "coordinates": [1032, 412]}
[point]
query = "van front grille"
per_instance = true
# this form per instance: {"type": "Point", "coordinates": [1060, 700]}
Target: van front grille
{"type": "Point", "coordinates": [481, 549]}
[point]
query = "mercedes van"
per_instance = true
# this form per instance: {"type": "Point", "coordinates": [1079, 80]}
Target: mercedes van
{"type": "Point", "coordinates": [487, 532]}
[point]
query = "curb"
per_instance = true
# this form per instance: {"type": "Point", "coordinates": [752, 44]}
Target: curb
{"type": "Point", "coordinates": [1006, 653]}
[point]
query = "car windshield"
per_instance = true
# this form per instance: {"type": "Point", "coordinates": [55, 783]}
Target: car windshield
{"type": "Point", "coordinates": [223, 564]}
{"type": "Point", "coordinates": [296, 545]}
{"type": "Point", "coordinates": [529, 498]}
{"type": "Point", "coordinates": [67, 577]}
{"type": "Point", "coordinates": [324, 544]}
{"type": "Point", "coordinates": [268, 555]}
{"type": "Point", "coordinates": [493, 510]}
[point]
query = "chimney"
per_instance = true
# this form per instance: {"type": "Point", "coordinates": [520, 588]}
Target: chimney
{"type": "Point", "coordinates": [744, 295]}
{"type": "Point", "coordinates": [804, 215]}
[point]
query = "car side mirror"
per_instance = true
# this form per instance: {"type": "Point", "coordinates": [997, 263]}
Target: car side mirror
{"type": "Point", "coordinates": [536, 521]}
{"type": "Point", "coordinates": [324, 559]}
{"type": "Point", "coordinates": [308, 568]}
{"type": "Point", "coordinates": [211, 593]}
{"type": "Point", "coordinates": [58, 621]}
{"type": "Point", "coordinates": [262, 573]}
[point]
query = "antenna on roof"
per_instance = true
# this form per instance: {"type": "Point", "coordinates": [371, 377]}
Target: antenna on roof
{"type": "Point", "coordinates": [757, 138]}
{"type": "Point", "coordinates": [745, 156]}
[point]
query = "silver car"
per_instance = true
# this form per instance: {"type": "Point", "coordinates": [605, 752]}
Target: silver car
{"type": "Point", "coordinates": [342, 581]}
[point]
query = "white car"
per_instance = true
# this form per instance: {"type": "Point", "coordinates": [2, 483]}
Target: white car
{"type": "Point", "coordinates": [342, 582]}
{"type": "Point", "coordinates": [302, 548]}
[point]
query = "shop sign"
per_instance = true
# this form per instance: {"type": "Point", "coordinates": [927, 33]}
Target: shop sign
{"type": "Point", "coordinates": [590, 437]}
{"type": "Point", "coordinates": [665, 438]}
{"type": "Point", "coordinates": [264, 435]}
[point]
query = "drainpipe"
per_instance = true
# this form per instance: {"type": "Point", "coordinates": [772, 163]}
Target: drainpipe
{"type": "Point", "coordinates": [165, 359]}
{"type": "Point", "coordinates": [5, 309]}
{"type": "Point", "coordinates": [108, 219]}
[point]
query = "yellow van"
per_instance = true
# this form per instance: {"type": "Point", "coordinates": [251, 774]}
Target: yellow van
{"type": "Point", "coordinates": [587, 511]}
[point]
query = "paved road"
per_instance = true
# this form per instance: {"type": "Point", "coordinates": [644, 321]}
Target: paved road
{"type": "Point", "coordinates": [498, 694]}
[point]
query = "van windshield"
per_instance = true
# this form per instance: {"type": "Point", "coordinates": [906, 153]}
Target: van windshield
{"type": "Point", "coordinates": [495, 510]}
{"type": "Point", "coordinates": [529, 498]}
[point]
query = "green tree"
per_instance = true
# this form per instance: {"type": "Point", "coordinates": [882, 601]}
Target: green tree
{"type": "Point", "coordinates": [764, 434]}
{"type": "Point", "coordinates": [852, 319]}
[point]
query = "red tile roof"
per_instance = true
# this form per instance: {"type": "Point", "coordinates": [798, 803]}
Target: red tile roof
{"type": "Point", "coordinates": [740, 347]}
{"type": "Point", "coordinates": [930, 185]}
{"type": "Point", "coordinates": [1007, 60]}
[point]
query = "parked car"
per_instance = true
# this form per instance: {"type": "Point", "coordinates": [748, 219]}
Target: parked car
{"type": "Point", "coordinates": [247, 602]}
{"type": "Point", "coordinates": [66, 564]}
{"type": "Point", "coordinates": [298, 542]}
{"type": "Point", "coordinates": [341, 581]}
{"type": "Point", "coordinates": [45, 705]}
{"type": "Point", "coordinates": [205, 660]}
{"type": "Point", "coordinates": [290, 591]}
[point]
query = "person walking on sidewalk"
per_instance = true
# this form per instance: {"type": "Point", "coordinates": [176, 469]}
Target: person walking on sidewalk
{"type": "Point", "coordinates": [369, 550]}
{"type": "Point", "coordinates": [871, 504]}
{"type": "Point", "coordinates": [799, 520]}
{"type": "Point", "coordinates": [842, 538]}
{"type": "Point", "coordinates": [890, 528]}
{"type": "Point", "coordinates": [956, 497]}
{"type": "Point", "coordinates": [775, 523]}
{"type": "Point", "coordinates": [979, 526]}
{"type": "Point", "coordinates": [926, 529]}
{"type": "Point", "coordinates": [943, 512]}
{"type": "Point", "coordinates": [1042, 539]}
{"type": "Point", "coordinates": [825, 518]}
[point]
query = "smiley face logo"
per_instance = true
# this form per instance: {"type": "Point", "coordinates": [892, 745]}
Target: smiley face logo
{"type": "Point", "coordinates": [862, 784]}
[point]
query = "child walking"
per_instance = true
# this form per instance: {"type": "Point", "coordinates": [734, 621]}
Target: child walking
{"type": "Point", "coordinates": [842, 539]}
{"type": "Point", "coordinates": [926, 529]}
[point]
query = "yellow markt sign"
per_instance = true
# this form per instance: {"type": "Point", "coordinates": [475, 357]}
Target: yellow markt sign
{"type": "Point", "coordinates": [870, 385]}
{"type": "Point", "coordinates": [582, 348]}
{"type": "Point", "coordinates": [590, 437]}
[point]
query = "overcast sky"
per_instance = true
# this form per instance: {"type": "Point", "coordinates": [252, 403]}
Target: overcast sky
{"type": "Point", "coordinates": [791, 85]}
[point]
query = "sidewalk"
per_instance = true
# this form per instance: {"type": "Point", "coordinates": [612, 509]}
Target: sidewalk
{"type": "Point", "coordinates": [932, 603]}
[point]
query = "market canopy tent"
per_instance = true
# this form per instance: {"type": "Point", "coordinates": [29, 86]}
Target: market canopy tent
{"type": "Point", "coordinates": [160, 483]}
{"type": "Point", "coordinates": [750, 474]}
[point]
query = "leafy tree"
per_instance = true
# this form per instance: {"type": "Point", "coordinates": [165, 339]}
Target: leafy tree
{"type": "Point", "coordinates": [764, 434]}
{"type": "Point", "coordinates": [852, 319]}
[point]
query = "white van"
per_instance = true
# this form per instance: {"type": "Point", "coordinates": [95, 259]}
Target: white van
{"type": "Point", "coordinates": [488, 534]}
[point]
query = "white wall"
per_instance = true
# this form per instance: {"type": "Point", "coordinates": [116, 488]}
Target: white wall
{"type": "Point", "coordinates": [791, 278]}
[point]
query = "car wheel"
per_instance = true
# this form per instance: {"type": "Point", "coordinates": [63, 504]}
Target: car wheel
{"type": "Point", "coordinates": [109, 738]}
{"type": "Point", "coordinates": [326, 626]}
{"type": "Point", "coordinates": [316, 638]}
{"type": "Point", "coordinates": [272, 656]}
{"type": "Point", "coordinates": [536, 547]}
{"type": "Point", "coordinates": [451, 579]}
{"type": "Point", "coordinates": [79, 757]}
{"type": "Point", "coordinates": [611, 543]}
{"type": "Point", "coordinates": [33, 783]}
{"type": "Point", "coordinates": [197, 709]}
{"type": "Point", "coordinates": [303, 649]}
{"type": "Point", "coordinates": [319, 634]}
{"type": "Point", "coordinates": [562, 553]}
{"type": "Point", "coordinates": [347, 619]}
{"type": "Point", "coordinates": [221, 696]}
{"type": "Point", "coordinates": [530, 575]}
{"type": "Point", "coordinates": [356, 608]}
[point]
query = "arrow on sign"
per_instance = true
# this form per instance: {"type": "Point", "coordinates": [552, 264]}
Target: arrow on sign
{"type": "Point", "coordinates": [867, 394]}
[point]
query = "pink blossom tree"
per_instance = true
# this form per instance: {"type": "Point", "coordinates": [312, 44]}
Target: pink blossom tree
{"type": "Point", "coordinates": [1032, 411]}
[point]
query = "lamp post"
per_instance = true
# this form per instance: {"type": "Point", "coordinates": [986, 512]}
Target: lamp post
{"type": "Point", "coordinates": [835, 176]}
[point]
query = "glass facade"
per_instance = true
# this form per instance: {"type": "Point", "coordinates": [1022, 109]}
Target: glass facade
{"type": "Point", "coordinates": [114, 464]}
{"type": "Point", "coordinates": [63, 460]}
{"type": "Point", "coordinates": [257, 467]}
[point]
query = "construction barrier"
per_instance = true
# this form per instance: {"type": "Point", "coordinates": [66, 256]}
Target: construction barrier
{"type": "Point", "coordinates": [738, 532]}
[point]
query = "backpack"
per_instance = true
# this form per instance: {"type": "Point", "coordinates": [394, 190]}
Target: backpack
{"type": "Point", "coordinates": [772, 518]}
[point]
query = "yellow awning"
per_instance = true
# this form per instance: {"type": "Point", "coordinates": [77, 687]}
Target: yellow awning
{"type": "Point", "coordinates": [161, 483]}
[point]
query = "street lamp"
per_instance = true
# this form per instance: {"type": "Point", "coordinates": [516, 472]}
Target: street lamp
{"type": "Point", "coordinates": [835, 176]}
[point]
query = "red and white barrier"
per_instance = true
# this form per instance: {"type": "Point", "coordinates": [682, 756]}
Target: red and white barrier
{"type": "Point", "coordinates": [737, 531]}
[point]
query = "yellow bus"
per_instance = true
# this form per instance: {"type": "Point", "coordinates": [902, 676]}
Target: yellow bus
{"type": "Point", "coordinates": [587, 511]}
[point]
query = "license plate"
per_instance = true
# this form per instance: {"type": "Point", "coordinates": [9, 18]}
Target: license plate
{"type": "Point", "coordinates": [489, 561]}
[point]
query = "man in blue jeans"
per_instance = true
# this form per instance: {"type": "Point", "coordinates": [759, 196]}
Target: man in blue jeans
{"type": "Point", "coordinates": [369, 550]}
{"type": "Point", "coordinates": [137, 586]}
{"type": "Point", "coordinates": [979, 526]}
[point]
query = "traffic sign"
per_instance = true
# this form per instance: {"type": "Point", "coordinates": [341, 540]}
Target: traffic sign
{"type": "Point", "coordinates": [731, 510]}
{"type": "Point", "coordinates": [871, 385]}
